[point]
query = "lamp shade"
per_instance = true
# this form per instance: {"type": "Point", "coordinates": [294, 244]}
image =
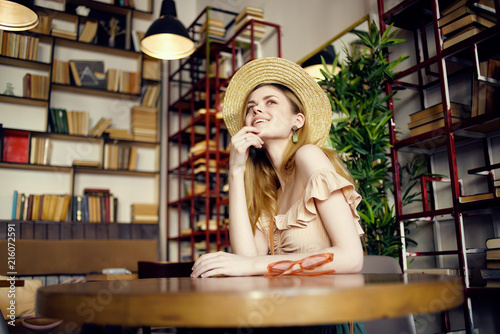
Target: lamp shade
{"type": "Point", "coordinates": [17, 15]}
{"type": "Point", "coordinates": [167, 38]}
{"type": "Point", "coordinates": [313, 65]}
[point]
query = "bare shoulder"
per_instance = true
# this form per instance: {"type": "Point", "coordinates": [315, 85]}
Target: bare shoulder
{"type": "Point", "coordinates": [310, 158]}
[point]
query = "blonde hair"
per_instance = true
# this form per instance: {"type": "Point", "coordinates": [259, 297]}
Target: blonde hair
{"type": "Point", "coordinates": [261, 181]}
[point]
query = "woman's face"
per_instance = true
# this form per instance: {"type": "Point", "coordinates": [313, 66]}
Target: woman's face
{"type": "Point", "coordinates": [271, 112]}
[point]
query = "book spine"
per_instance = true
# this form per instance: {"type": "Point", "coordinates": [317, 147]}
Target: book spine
{"type": "Point", "coordinates": [14, 205]}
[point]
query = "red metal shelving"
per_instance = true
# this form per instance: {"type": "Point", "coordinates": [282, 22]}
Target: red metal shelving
{"type": "Point", "coordinates": [417, 16]}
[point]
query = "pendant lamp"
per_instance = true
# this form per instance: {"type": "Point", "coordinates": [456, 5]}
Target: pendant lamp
{"type": "Point", "coordinates": [17, 15]}
{"type": "Point", "coordinates": [167, 38]}
{"type": "Point", "coordinates": [313, 65]}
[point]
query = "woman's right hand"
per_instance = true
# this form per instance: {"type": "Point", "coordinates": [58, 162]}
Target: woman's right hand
{"type": "Point", "coordinates": [240, 145]}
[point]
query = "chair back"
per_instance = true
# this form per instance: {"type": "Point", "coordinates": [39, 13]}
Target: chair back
{"type": "Point", "coordinates": [160, 269]}
{"type": "Point", "coordinates": [378, 264]}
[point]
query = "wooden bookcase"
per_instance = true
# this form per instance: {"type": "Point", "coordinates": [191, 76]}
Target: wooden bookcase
{"type": "Point", "coordinates": [197, 218]}
{"type": "Point", "coordinates": [450, 234]}
{"type": "Point", "coordinates": [30, 118]}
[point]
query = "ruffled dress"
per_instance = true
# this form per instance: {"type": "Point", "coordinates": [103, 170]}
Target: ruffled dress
{"type": "Point", "coordinates": [300, 229]}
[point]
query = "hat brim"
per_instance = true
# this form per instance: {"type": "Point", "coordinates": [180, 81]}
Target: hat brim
{"type": "Point", "coordinates": [317, 108]}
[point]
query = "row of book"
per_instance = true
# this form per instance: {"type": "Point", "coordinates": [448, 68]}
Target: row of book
{"type": "Point", "coordinates": [60, 72]}
{"type": "Point", "coordinates": [120, 157]}
{"type": "Point", "coordinates": [463, 19]}
{"type": "Point", "coordinates": [144, 123]}
{"type": "Point", "coordinates": [45, 207]}
{"type": "Point", "coordinates": [151, 96]}
{"type": "Point", "coordinates": [68, 122]}
{"type": "Point", "coordinates": [36, 86]}
{"type": "Point", "coordinates": [123, 81]}
{"type": "Point", "coordinates": [96, 205]}
{"type": "Point", "coordinates": [40, 151]}
{"type": "Point", "coordinates": [18, 46]}
{"type": "Point", "coordinates": [491, 274]}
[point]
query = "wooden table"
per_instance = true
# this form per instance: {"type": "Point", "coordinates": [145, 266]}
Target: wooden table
{"type": "Point", "coordinates": [249, 301]}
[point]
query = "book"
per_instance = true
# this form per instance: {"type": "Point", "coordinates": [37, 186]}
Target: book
{"type": "Point", "coordinates": [436, 109]}
{"type": "Point", "coordinates": [493, 264]}
{"type": "Point", "coordinates": [100, 127]}
{"type": "Point", "coordinates": [89, 31]}
{"type": "Point", "coordinates": [463, 35]}
{"type": "Point", "coordinates": [88, 73]}
{"type": "Point", "coordinates": [453, 7]}
{"type": "Point", "coordinates": [14, 205]}
{"type": "Point", "coordinates": [490, 274]}
{"type": "Point", "coordinates": [15, 146]}
{"type": "Point", "coordinates": [466, 21]}
{"type": "Point", "coordinates": [493, 243]}
{"type": "Point", "coordinates": [475, 197]}
{"type": "Point", "coordinates": [433, 125]}
{"type": "Point", "coordinates": [435, 116]}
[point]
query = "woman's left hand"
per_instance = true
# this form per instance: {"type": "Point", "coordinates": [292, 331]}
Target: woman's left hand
{"type": "Point", "coordinates": [223, 264]}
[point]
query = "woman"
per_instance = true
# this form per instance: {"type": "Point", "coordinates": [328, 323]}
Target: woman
{"type": "Point", "coordinates": [299, 197]}
{"type": "Point", "coordinates": [288, 197]}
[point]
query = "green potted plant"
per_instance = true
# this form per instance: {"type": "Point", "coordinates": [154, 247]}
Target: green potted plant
{"type": "Point", "coordinates": [360, 133]}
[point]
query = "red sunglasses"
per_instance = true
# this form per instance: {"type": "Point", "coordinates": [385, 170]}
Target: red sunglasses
{"type": "Point", "coordinates": [306, 266]}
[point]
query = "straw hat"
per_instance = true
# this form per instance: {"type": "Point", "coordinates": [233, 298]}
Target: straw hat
{"type": "Point", "coordinates": [317, 108]}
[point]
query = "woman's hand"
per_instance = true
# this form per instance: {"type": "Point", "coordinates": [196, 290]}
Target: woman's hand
{"type": "Point", "coordinates": [223, 264]}
{"type": "Point", "coordinates": [240, 145]}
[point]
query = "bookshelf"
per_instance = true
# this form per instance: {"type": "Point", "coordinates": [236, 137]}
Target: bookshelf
{"type": "Point", "coordinates": [197, 217]}
{"type": "Point", "coordinates": [445, 73]}
{"type": "Point", "coordinates": [123, 155]}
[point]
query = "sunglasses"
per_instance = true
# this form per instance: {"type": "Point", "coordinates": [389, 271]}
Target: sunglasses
{"type": "Point", "coordinates": [307, 266]}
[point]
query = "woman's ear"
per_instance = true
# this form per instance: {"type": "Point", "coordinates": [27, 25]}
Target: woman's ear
{"type": "Point", "coordinates": [299, 120]}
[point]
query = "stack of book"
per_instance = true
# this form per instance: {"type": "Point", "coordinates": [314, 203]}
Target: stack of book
{"type": "Point", "coordinates": [432, 118]}
{"type": "Point", "coordinates": [201, 147]}
{"type": "Point", "coordinates": [251, 13]}
{"type": "Point", "coordinates": [60, 72]}
{"type": "Point", "coordinates": [492, 272]}
{"type": "Point", "coordinates": [68, 122]}
{"type": "Point", "coordinates": [97, 205]}
{"type": "Point", "coordinates": [41, 149]}
{"type": "Point", "coordinates": [461, 21]}
{"type": "Point", "coordinates": [120, 157]}
{"type": "Point", "coordinates": [123, 81]}
{"type": "Point", "coordinates": [144, 213]}
{"type": "Point", "coordinates": [63, 33]}
{"type": "Point", "coordinates": [214, 28]}
{"type": "Point", "coordinates": [485, 97]}
{"type": "Point", "coordinates": [45, 207]}
{"type": "Point", "coordinates": [144, 123]}
{"type": "Point", "coordinates": [18, 46]}
{"type": "Point", "coordinates": [36, 86]}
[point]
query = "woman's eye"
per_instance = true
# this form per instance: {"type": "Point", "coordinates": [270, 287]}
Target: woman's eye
{"type": "Point", "coordinates": [271, 102]}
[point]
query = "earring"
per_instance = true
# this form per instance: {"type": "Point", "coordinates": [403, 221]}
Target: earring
{"type": "Point", "coordinates": [295, 136]}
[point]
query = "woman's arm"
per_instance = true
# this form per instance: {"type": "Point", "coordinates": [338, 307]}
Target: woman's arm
{"type": "Point", "coordinates": [335, 213]}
